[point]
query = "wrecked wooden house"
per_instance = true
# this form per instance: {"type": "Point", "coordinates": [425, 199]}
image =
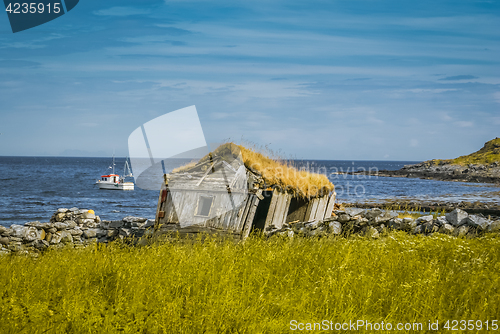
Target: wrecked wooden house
{"type": "Point", "coordinates": [230, 192]}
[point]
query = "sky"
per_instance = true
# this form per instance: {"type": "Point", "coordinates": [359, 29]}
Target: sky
{"type": "Point", "coordinates": [330, 80]}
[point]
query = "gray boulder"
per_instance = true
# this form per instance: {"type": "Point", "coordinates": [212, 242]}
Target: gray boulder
{"type": "Point", "coordinates": [88, 215]}
{"type": "Point", "coordinates": [354, 211]}
{"type": "Point", "coordinates": [36, 224]}
{"type": "Point", "coordinates": [418, 229]}
{"type": "Point", "coordinates": [429, 227]}
{"type": "Point", "coordinates": [314, 224]}
{"type": "Point", "coordinates": [70, 223]}
{"type": "Point", "coordinates": [440, 221]}
{"type": "Point", "coordinates": [408, 224]}
{"type": "Point", "coordinates": [66, 237]}
{"type": "Point", "coordinates": [495, 226]}
{"type": "Point", "coordinates": [115, 224]}
{"type": "Point", "coordinates": [125, 232]}
{"type": "Point", "coordinates": [18, 231]}
{"type": "Point", "coordinates": [478, 221]}
{"type": "Point", "coordinates": [343, 218]}
{"type": "Point", "coordinates": [90, 233]}
{"type": "Point", "coordinates": [371, 214]}
{"type": "Point", "coordinates": [76, 231]}
{"type": "Point", "coordinates": [395, 223]}
{"type": "Point", "coordinates": [381, 219]}
{"type": "Point", "coordinates": [101, 233]}
{"type": "Point", "coordinates": [424, 219]}
{"type": "Point", "coordinates": [54, 238]}
{"type": "Point", "coordinates": [457, 217]}
{"type": "Point", "coordinates": [4, 241]}
{"type": "Point", "coordinates": [149, 223]}
{"type": "Point", "coordinates": [61, 226]}
{"type": "Point", "coordinates": [371, 232]}
{"type": "Point", "coordinates": [41, 244]}
{"type": "Point", "coordinates": [447, 229]}
{"type": "Point", "coordinates": [335, 227]}
{"type": "Point", "coordinates": [32, 234]}
{"type": "Point", "coordinates": [461, 231]}
{"type": "Point", "coordinates": [132, 219]}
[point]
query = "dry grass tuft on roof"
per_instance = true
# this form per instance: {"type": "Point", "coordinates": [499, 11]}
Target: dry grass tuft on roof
{"type": "Point", "coordinates": [274, 171]}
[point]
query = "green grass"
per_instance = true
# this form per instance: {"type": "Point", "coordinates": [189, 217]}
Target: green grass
{"type": "Point", "coordinates": [254, 287]}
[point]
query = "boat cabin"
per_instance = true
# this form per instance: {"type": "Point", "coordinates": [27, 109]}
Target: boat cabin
{"type": "Point", "coordinates": [110, 178]}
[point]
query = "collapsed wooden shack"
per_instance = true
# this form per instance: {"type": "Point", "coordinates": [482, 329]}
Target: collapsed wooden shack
{"type": "Point", "coordinates": [234, 190]}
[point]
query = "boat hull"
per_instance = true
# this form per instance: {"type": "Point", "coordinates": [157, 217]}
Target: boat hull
{"type": "Point", "coordinates": [116, 186]}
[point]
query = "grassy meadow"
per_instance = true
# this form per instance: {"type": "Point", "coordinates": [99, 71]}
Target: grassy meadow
{"type": "Point", "coordinates": [258, 286]}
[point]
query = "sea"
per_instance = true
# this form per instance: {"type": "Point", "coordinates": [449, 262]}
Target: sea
{"type": "Point", "coordinates": [33, 188]}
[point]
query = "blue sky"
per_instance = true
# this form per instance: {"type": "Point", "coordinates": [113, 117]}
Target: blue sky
{"type": "Point", "coordinates": [363, 80]}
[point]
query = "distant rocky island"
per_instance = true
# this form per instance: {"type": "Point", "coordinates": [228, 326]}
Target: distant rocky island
{"type": "Point", "coordinates": [482, 166]}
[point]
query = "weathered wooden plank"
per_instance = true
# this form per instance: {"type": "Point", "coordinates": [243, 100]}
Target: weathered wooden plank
{"type": "Point", "coordinates": [244, 214]}
{"type": "Point", "coordinates": [171, 214]}
{"type": "Point", "coordinates": [158, 208]}
{"type": "Point", "coordinates": [205, 175]}
{"type": "Point", "coordinates": [233, 223]}
{"type": "Point", "coordinates": [281, 210]}
{"type": "Point", "coordinates": [250, 216]}
{"type": "Point", "coordinates": [329, 207]}
{"type": "Point", "coordinates": [272, 209]}
{"type": "Point", "coordinates": [287, 207]}
{"type": "Point", "coordinates": [320, 211]}
{"type": "Point", "coordinates": [311, 209]}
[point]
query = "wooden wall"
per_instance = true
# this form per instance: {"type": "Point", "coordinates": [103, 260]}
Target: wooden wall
{"type": "Point", "coordinates": [239, 220]}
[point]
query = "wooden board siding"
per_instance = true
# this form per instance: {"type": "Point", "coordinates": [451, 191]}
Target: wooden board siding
{"type": "Point", "coordinates": [159, 207]}
{"type": "Point", "coordinates": [329, 207]}
{"type": "Point", "coordinates": [280, 213]}
{"type": "Point", "coordinates": [244, 212]}
{"type": "Point", "coordinates": [311, 210]}
{"type": "Point", "coordinates": [320, 211]}
{"type": "Point", "coordinates": [272, 209]}
{"type": "Point", "coordinates": [249, 219]}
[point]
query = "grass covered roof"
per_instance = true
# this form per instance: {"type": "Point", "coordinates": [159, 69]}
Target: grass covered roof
{"type": "Point", "coordinates": [274, 171]}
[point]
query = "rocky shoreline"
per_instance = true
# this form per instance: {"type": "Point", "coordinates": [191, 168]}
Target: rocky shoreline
{"type": "Point", "coordinates": [443, 171]}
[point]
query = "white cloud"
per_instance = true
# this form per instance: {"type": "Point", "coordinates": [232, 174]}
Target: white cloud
{"type": "Point", "coordinates": [464, 124]}
{"type": "Point", "coordinates": [413, 143]}
{"type": "Point", "coordinates": [445, 117]}
{"type": "Point", "coordinates": [121, 11]}
{"type": "Point", "coordinates": [496, 96]}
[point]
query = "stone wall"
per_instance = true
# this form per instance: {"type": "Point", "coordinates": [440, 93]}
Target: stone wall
{"type": "Point", "coordinates": [79, 228]}
{"type": "Point", "coordinates": [375, 221]}
{"type": "Point", "coordinates": [73, 227]}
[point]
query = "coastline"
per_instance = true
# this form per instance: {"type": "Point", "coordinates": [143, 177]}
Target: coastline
{"type": "Point", "coordinates": [458, 173]}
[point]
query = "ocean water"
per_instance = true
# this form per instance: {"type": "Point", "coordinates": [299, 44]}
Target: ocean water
{"type": "Point", "coordinates": [33, 188]}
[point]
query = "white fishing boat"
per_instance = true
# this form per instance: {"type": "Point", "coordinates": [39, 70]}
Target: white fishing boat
{"type": "Point", "coordinates": [114, 181]}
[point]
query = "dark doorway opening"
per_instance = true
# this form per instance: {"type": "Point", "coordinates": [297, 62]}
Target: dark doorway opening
{"type": "Point", "coordinates": [297, 209]}
{"type": "Point", "coordinates": [259, 220]}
